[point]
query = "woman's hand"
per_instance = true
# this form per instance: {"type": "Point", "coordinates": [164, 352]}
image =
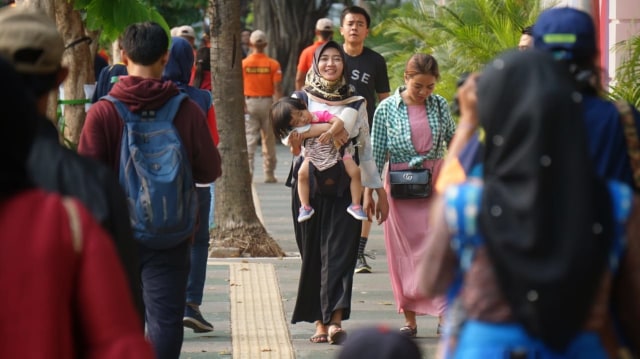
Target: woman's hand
{"type": "Point", "coordinates": [325, 137]}
{"type": "Point", "coordinates": [341, 137]}
{"type": "Point", "coordinates": [378, 210]}
{"type": "Point", "coordinates": [468, 99]}
{"type": "Point", "coordinates": [382, 206]}
{"type": "Point", "coordinates": [295, 139]}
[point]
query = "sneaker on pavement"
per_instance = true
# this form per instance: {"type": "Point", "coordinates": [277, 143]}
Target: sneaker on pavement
{"type": "Point", "coordinates": [362, 266]}
{"type": "Point", "coordinates": [193, 319]}
{"type": "Point", "coordinates": [357, 212]}
{"type": "Point", "coordinates": [305, 213]}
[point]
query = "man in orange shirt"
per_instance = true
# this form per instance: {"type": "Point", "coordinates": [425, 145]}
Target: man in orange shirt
{"type": "Point", "coordinates": [324, 32]}
{"type": "Point", "coordinates": [262, 79]}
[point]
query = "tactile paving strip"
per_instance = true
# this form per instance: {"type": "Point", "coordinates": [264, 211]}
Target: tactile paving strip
{"type": "Point", "coordinates": [258, 325]}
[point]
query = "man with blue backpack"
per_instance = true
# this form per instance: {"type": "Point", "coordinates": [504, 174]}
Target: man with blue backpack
{"type": "Point", "coordinates": [158, 142]}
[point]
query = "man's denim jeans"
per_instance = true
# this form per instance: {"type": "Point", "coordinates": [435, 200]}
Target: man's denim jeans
{"type": "Point", "coordinates": [164, 282]}
{"type": "Point", "coordinates": [200, 249]}
{"type": "Point", "coordinates": [212, 209]}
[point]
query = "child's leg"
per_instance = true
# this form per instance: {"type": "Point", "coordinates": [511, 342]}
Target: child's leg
{"type": "Point", "coordinates": [356, 183]}
{"type": "Point", "coordinates": [303, 183]}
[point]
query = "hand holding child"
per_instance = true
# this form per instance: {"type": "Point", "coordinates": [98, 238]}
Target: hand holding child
{"type": "Point", "coordinates": [325, 137]}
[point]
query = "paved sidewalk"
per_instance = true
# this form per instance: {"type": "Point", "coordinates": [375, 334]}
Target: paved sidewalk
{"type": "Point", "coordinates": [250, 301]}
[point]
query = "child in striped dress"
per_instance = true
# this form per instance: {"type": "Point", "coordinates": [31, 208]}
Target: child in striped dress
{"type": "Point", "coordinates": [301, 129]}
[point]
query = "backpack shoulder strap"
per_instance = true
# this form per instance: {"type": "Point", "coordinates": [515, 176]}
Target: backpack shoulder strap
{"type": "Point", "coordinates": [74, 223]}
{"type": "Point", "coordinates": [123, 110]}
{"type": "Point", "coordinates": [168, 111]}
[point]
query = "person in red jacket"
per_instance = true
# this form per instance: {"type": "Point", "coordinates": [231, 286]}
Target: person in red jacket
{"type": "Point", "coordinates": [52, 166]}
{"type": "Point", "coordinates": [62, 281]}
{"type": "Point", "coordinates": [164, 272]}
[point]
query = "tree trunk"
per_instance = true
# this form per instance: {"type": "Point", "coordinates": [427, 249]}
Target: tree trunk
{"type": "Point", "coordinates": [77, 58]}
{"type": "Point", "coordinates": [237, 223]}
{"type": "Point", "coordinates": [289, 26]}
{"type": "Point", "coordinates": [115, 52]}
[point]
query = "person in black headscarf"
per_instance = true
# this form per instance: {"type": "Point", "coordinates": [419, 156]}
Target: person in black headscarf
{"type": "Point", "coordinates": [19, 128]}
{"type": "Point", "coordinates": [535, 233]}
{"type": "Point", "coordinates": [328, 240]}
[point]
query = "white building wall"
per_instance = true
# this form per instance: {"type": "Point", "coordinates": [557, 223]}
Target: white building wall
{"type": "Point", "coordinates": [624, 22]}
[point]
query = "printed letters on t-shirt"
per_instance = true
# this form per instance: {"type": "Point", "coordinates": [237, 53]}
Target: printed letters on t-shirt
{"type": "Point", "coordinates": [355, 76]}
{"type": "Point", "coordinates": [258, 70]}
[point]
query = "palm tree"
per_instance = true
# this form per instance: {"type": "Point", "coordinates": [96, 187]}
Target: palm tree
{"type": "Point", "coordinates": [463, 35]}
{"type": "Point", "coordinates": [626, 82]}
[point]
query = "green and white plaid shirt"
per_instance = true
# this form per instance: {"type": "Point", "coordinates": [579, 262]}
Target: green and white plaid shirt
{"type": "Point", "coordinates": [391, 133]}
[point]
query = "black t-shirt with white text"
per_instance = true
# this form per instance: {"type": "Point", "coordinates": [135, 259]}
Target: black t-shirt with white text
{"type": "Point", "coordinates": [367, 72]}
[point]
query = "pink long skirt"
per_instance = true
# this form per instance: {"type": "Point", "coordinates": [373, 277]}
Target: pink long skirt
{"type": "Point", "coordinates": [405, 234]}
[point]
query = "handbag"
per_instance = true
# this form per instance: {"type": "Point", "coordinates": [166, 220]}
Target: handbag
{"type": "Point", "coordinates": [412, 183]}
{"type": "Point", "coordinates": [409, 184]}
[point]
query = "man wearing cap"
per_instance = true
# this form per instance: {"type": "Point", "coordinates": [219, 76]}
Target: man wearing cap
{"type": "Point", "coordinates": [186, 32]}
{"type": "Point", "coordinates": [31, 42]}
{"type": "Point", "coordinates": [569, 35]}
{"type": "Point", "coordinates": [262, 79]}
{"type": "Point", "coordinates": [324, 33]}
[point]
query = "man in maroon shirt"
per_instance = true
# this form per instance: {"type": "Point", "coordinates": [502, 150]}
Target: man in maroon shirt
{"type": "Point", "coordinates": [163, 272]}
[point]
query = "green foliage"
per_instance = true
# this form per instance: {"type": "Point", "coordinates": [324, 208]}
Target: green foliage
{"type": "Point", "coordinates": [463, 35]}
{"type": "Point", "coordinates": [627, 86]}
{"type": "Point", "coordinates": [111, 17]}
{"type": "Point", "coordinates": [181, 12]}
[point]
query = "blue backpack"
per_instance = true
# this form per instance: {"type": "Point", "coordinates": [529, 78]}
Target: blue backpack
{"type": "Point", "coordinates": [156, 175]}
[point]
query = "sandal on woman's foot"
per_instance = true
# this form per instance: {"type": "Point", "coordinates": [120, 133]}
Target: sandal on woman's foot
{"type": "Point", "coordinates": [336, 334]}
{"type": "Point", "coordinates": [319, 338]}
{"type": "Point", "coordinates": [408, 331]}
